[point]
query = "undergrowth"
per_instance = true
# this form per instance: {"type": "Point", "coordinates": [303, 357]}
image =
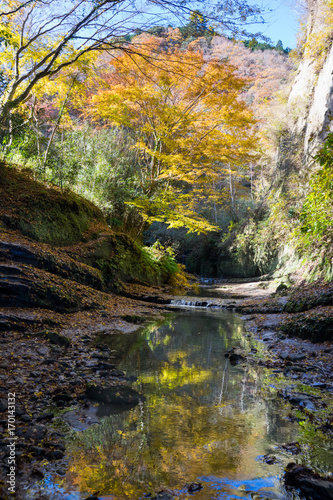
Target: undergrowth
{"type": "Point", "coordinates": [62, 218]}
{"type": "Point", "coordinates": [301, 223]}
{"type": "Point", "coordinates": [44, 213]}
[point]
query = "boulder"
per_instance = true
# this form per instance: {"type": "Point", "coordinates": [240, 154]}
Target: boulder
{"type": "Point", "coordinates": [310, 484]}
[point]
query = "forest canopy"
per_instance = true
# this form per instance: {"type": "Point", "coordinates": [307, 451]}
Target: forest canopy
{"type": "Point", "coordinates": [41, 38]}
{"type": "Point", "coordinates": [151, 122]}
{"type": "Point", "coordinates": [188, 124]}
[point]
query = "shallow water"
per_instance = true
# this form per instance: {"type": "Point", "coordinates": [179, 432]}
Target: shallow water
{"type": "Point", "coordinates": [202, 419]}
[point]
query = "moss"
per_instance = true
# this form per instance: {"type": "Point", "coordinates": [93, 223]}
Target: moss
{"type": "Point", "coordinates": [58, 218]}
{"type": "Point", "coordinates": [317, 328]}
{"type": "Point", "coordinates": [45, 214]}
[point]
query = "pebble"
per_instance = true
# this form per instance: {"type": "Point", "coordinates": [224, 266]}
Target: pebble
{"type": "Point", "coordinates": [54, 455]}
{"type": "Point", "coordinates": [26, 418]}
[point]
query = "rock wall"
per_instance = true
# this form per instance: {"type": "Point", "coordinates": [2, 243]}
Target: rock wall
{"type": "Point", "coordinates": [311, 99]}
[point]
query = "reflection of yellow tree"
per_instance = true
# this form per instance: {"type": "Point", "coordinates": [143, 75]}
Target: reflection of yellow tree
{"type": "Point", "coordinates": [166, 441]}
{"type": "Point", "coordinates": [193, 422]}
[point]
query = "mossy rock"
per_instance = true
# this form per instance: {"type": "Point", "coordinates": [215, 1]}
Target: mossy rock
{"type": "Point", "coordinates": [43, 213]}
{"type": "Point", "coordinates": [281, 288]}
{"type": "Point", "coordinates": [55, 338]}
{"type": "Point", "coordinates": [316, 329]}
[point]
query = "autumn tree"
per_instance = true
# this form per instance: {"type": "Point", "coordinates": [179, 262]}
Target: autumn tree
{"type": "Point", "coordinates": [40, 38]}
{"type": "Point", "coordinates": [190, 126]}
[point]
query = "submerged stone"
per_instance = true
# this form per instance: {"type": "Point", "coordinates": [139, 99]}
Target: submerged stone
{"type": "Point", "coordinates": [118, 394]}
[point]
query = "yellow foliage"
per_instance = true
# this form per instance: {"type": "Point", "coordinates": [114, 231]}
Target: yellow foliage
{"type": "Point", "coordinates": [319, 41]}
{"type": "Point", "coordinates": [190, 124]}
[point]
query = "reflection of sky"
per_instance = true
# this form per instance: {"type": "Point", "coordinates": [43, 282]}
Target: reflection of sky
{"type": "Point", "coordinates": [253, 485]}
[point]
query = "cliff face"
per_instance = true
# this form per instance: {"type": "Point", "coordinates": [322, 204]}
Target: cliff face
{"type": "Point", "coordinates": [311, 98]}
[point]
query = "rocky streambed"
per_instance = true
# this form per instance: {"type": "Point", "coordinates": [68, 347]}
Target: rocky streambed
{"type": "Point", "coordinates": [56, 363]}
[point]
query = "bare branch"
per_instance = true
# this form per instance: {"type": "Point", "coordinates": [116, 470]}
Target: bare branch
{"type": "Point", "coordinates": [83, 27]}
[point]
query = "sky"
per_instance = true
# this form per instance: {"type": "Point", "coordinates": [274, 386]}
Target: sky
{"type": "Point", "coordinates": [282, 22]}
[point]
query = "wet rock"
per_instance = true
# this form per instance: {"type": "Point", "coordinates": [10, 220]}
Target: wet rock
{"type": "Point", "coordinates": [107, 366]}
{"type": "Point", "coordinates": [117, 373]}
{"type": "Point", "coordinates": [297, 357]}
{"type": "Point", "coordinates": [63, 397]}
{"type": "Point", "coordinates": [319, 385]}
{"type": "Point", "coordinates": [280, 336]}
{"type": "Point", "coordinates": [295, 369]}
{"type": "Point", "coordinates": [92, 497]}
{"type": "Point", "coordinates": [102, 357]}
{"type": "Point", "coordinates": [37, 474]}
{"type": "Point", "coordinates": [284, 355]}
{"type": "Point", "coordinates": [54, 455]}
{"type": "Point", "coordinates": [269, 459]}
{"type": "Point", "coordinates": [42, 351]}
{"type": "Point", "coordinates": [39, 433]}
{"type": "Point", "coordinates": [310, 484]}
{"type": "Point", "coordinates": [61, 472]}
{"type": "Point", "coordinates": [45, 416]}
{"type": "Point", "coordinates": [26, 418]}
{"type": "Point", "coordinates": [24, 432]}
{"type": "Point", "coordinates": [15, 293]}
{"type": "Point", "coordinates": [3, 406]}
{"type": "Point", "coordinates": [293, 448]}
{"type": "Point", "coordinates": [55, 338]}
{"type": "Point", "coordinates": [299, 399]}
{"type": "Point", "coordinates": [20, 445]}
{"type": "Point", "coordinates": [120, 395]}
{"type": "Point", "coordinates": [235, 358]}
{"type": "Point", "coordinates": [37, 451]}
{"type": "Point", "coordinates": [229, 352]}
{"type": "Point", "coordinates": [102, 347]}
{"type": "Point", "coordinates": [49, 361]}
{"type": "Point", "coordinates": [191, 488]}
{"type": "Point", "coordinates": [296, 400]}
{"type": "Point", "coordinates": [54, 445]}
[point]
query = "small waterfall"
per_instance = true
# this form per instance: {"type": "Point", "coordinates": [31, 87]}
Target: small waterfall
{"type": "Point", "coordinates": [192, 302]}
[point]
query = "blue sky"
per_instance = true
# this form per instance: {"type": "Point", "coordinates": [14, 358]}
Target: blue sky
{"type": "Point", "coordinates": [282, 21]}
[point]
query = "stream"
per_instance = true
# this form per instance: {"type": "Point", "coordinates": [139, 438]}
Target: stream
{"type": "Point", "coordinates": [202, 420]}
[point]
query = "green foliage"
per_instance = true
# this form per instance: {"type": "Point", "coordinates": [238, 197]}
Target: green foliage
{"type": "Point", "coordinates": [256, 246]}
{"type": "Point", "coordinates": [253, 44]}
{"type": "Point", "coordinates": [316, 226]}
{"type": "Point", "coordinates": [197, 27]}
{"type": "Point", "coordinates": [153, 265]}
{"type": "Point", "coordinates": [98, 164]}
{"type": "Point", "coordinates": [46, 215]}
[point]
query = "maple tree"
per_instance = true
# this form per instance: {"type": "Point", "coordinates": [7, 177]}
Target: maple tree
{"type": "Point", "coordinates": [40, 38]}
{"type": "Point", "coordinates": [190, 125]}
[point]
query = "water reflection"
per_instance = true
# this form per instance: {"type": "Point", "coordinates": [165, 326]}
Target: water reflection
{"type": "Point", "coordinates": [202, 417]}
